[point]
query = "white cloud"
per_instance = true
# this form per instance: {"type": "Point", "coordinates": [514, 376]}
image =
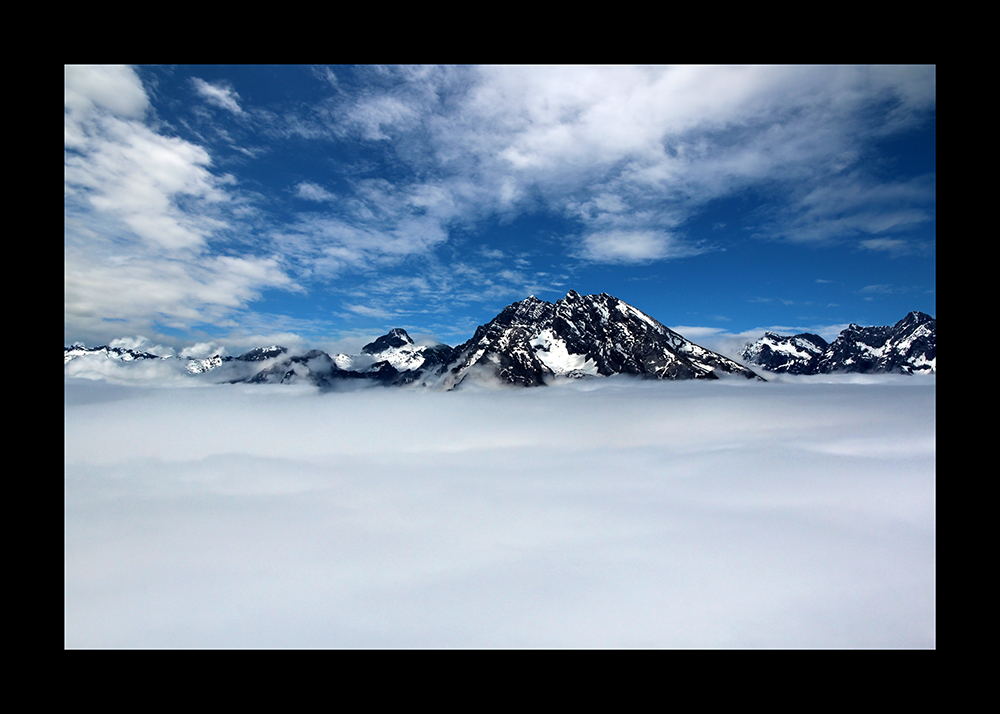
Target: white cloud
{"type": "Point", "coordinates": [219, 94]}
{"type": "Point", "coordinates": [142, 344]}
{"type": "Point", "coordinates": [313, 192]}
{"type": "Point", "coordinates": [142, 209]}
{"type": "Point", "coordinates": [95, 88]}
{"type": "Point", "coordinates": [202, 350]}
{"type": "Point", "coordinates": [854, 205]}
{"type": "Point", "coordinates": [619, 147]}
{"type": "Point", "coordinates": [637, 246]}
{"type": "Point", "coordinates": [605, 513]}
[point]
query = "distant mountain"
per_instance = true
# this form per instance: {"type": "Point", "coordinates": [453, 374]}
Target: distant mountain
{"type": "Point", "coordinates": [908, 347]}
{"type": "Point", "coordinates": [533, 342]}
{"type": "Point", "coordinates": [529, 343]}
{"type": "Point", "coordinates": [398, 349]}
{"type": "Point", "coordinates": [393, 358]}
{"type": "Point", "coordinates": [122, 354]}
{"type": "Point", "coordinates": [257, 354]}
{"type": "Point", "coordinates": [779, 353]}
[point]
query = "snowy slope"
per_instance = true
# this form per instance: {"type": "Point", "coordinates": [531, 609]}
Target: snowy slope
{"type": "Point", "coordinates": [532, 340]}
{"type": "Point", "coordinates": [908, 347]}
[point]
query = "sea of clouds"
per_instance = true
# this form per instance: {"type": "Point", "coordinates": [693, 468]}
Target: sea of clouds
{"type": "Point", "coordinates": [605, 513]}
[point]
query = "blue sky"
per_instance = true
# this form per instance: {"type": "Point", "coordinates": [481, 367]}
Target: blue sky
{"type": "Point", "coordinates": [315, 206]}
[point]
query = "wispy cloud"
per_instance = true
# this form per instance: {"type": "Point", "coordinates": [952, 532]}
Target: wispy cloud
{"type": "Point", "coordinates": [313, 192]}
{"type": "Point", "coordinates": [219, 94]}
{"type": "Point", "coordinates": [897, 247]}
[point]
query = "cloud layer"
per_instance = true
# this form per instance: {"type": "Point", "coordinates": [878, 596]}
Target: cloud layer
{"type": "Point", "coordinates": [796, 513]}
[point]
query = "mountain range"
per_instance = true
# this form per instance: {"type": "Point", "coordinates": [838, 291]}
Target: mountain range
{"type": "Point", "coordinates": [908, 347]}
{"type": "Point", "coordinates": [533, 342]}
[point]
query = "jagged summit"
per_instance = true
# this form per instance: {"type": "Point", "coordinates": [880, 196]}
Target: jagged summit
{"type": "Point", "coordinates": [530, 343]}
{"type": "Point", "coordinates": [780, 353]}
{"type": "Point", "coordinates": [908, 347]}
{"type": "Point", "coordinates": [122, 354]}
{"type": "Point", "coordinates": [259, 354]}
{"type": "Point", "coordinates": [532, 340]}
{"type": "Point", "coordinates": [395, 338]}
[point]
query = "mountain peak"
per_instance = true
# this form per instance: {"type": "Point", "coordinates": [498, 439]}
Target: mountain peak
{"type": "Point", "coordinates": [908, 347]}
{"type": "Point", "coordinates": [396, 337]}
{"type": "Point", "coordinates": [532, 340]}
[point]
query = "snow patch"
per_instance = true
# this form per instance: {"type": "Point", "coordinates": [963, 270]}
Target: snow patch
{"type": "Point", "coordinates": [553, 353]}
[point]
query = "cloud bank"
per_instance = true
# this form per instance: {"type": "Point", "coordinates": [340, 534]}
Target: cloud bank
{"type": "Point", "coordinates": [797, 513]}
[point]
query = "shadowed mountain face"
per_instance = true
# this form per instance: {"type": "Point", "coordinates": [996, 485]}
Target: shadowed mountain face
{"type": "Point", "coordinates": [529, 343]}
{"type": "Point", "coordinates": [908, 347]}
{"type": "Point", "coordinates": [532, 340]}
{"type": "Point", "coordinates": [397, 337]}
{"type": "Point", "coordinates": [781, 353]}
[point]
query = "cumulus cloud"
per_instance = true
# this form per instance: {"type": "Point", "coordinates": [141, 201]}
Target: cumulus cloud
{"type": "Point", "coordinates": [605, 513]}
{"type": "Point", "coordinates": [141, 343]}
{"type": "Point", "coordinates": [201, 350]}
{"type": "Point", "coordinates": [93, 88]}
{"type": "Point", "coordinates": [142, 210]}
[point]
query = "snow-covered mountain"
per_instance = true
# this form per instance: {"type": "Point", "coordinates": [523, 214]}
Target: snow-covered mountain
{"type": "Point", "coordinates": [780, 353]}
{"type": "Point", "coordinates": [529, 343]}
{"type": "Point", "coordinates": [908, 347]}
{"type": "Point", "coordinates": [398, 350]}
{"type": "Point", "coordinates": [532, 341]}
{"type": "Point", "coordinates": [393, 358]}
{"type": "Point", "coordinates": [121, 354]}
{"type": "Point", "coordinates": [257, 354]}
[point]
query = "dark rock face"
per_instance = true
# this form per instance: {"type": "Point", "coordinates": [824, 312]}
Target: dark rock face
{"type": "Point", "coordinates": [314, 366]}
{"type": "Point", "coordinates": [791, 355]}
{"type": "Point", "coordinates": [529, 343]}
{"type": "Point", "coordinates": [396, 337]}
{"type": "Point", "coordinates": [259, 354]}
{"type": "Point", "coordinates": [533, 340]}
{"type": "Point", "coordinates": [908, 347]}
